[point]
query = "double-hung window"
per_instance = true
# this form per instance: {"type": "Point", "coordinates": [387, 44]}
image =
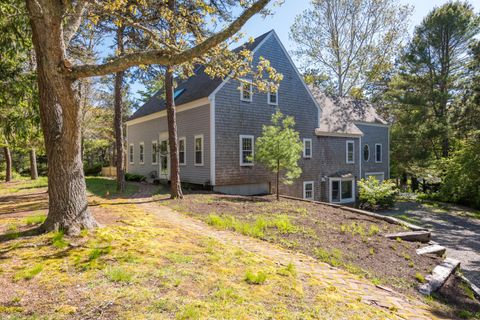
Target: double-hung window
{"type": "Point", "coordinates": [273, 97]}
{"type": "Point", "coordinates": [130, 153]}
{"type": "Point", "coordinates": [308, 190]}
{"type": "Point", "coordinates": [198, 150]}
{"type": "Point", "coordinates": [181, 151]}
{"type": "Point", "coordinates": [154, 152]}
{"type": "Point", "coordinates": [246, 150]}
{"type": "Point", "coordinates": [350, 156]}
{"type": "Point", "coordinates": [142, 153]}
{"type": "Point", "coordinates": [246, 91]}
{"type": "Point", "coordinates": [378, 152]}
{"type": "Point", "coordinates": [307, 148]}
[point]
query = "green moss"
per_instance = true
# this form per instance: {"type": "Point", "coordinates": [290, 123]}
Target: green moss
{"type": "Point", "coordinates": [29, 273]}
{"type": "Point", "coordinates": [35, 219]}
{"type": "Point", "coordinates": [58, 240]}
{"type": "Point", "coordinates": [420, 278]}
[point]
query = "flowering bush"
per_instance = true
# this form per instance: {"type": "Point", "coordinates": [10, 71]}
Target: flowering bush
{"type": "Point", "coordinates": [376, 195]}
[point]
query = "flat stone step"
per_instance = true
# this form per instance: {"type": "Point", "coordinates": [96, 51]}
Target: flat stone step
{"type": "Point", "coordinates": [439, 275]}
{"type": "Point", "coordinates": [432, 249]}
{"type": "Point", "coordinates": [414, 236]}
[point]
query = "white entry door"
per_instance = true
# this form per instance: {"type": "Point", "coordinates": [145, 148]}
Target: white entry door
{"type": "Point", "coordinates": [164, 163]}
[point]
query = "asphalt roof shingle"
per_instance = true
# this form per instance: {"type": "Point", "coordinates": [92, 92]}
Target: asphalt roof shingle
{"type": "Point", "coordinates": [198, 86]}
{"type": "Point", "coordinates": [339, 115]}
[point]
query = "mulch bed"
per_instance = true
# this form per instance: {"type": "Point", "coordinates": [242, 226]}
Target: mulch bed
{"type": "Point", "coordinates": [390, 263]}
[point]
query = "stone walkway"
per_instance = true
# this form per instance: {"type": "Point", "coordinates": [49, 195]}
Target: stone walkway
{"type": "Point", "coordinates": [350, 286]}
{"type": "Point", "coordinates": [452, 227]}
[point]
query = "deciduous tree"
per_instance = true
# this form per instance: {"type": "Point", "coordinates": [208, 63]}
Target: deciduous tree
{"type": "Point", "coordinates": [350, 43]}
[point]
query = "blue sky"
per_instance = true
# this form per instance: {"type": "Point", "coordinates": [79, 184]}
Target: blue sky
{"type": "Point", "coordinates": [284, 16]}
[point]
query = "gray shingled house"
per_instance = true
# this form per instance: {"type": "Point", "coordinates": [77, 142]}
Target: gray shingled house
{"type": "Point", "coordinates": [219, 120]}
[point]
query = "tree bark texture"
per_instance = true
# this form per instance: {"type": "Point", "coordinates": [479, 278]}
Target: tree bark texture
{"type": "Point", "coordinates": [60, 119]}
{"type": "Point", "coordinates": [175, 183]}
{"type": "Point", "coordinates": [8, 160]}
{"type": "Point", "coordinates": [33, 164]}
{"type": "Point", "coordinates": [118, 118]}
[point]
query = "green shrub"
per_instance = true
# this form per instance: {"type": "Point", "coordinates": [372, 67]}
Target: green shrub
{"type": "Point", "coordinates": [94, 170]}
{"type": "Point", "coordinates": [461, 174]}
{"type": "Point", "coordinates": [376, 195]}
{"type": "Point", "coordinates": [134, 177]}
{"type": "Point", "coordinates": [255, 278]}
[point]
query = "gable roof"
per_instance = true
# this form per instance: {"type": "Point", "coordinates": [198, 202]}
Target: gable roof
{"type": "Point", "coordinates": [199, 85]}
{"type": "Point", "coordinates": [340, 115]}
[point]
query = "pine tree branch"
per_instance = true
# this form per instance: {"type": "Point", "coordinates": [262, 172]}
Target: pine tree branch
{"type": "Point", "coordinates": [164, 57]}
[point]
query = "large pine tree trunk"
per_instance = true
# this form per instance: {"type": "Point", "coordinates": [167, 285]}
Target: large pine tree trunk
{"type": "Point", "coordinates": [8, 160]}
{"type": "Point", "coordinates": [33, 164]}
{"type": "Point", "coordinates": [60, 119]}
{"type": "Point", "coordinates": [118, 123]}
{"type": "Point", "coordinates": [175, 184]}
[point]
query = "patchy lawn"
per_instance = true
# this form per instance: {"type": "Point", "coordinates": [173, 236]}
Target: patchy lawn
{"type": "Point", "coordinates": [340, 238]}
{"type": "Point", "coordinates": [136, 267]}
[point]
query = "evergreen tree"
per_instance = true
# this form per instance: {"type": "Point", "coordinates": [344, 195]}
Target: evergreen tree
{"type": "Point", "coordinates": [279, 149]}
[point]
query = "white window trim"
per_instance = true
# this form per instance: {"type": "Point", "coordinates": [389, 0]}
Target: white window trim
{"type": "Point", "coordinates": [184, 139]}
{"type": "Point", "coordinates": [381, 150]}
{"type": "Point", "coordinates": [242, 83]}
{"type": "Point", "coordinates": [195, 150]}
{"type": "Point", "coordinates": [340, 190]}
{"type": "Point", "coordinates": [153, 151]}
{"type": "Point", "coordinates": [246, 164]}
{"type": "Point", "coordinates": [346, 151]}
{"type": "Point", "coordinates": [140, 161]}
{"type": "Point", "coordinates": [311, 148]}
{"type": "Point", "coordinates": [268, 98]}
{"type": "Point", "coordinates": [363, 152]}
{"type": "Point", "coordinates": [367, 174]}
{"type": "Point", "coordinates": [131, 154]}
{"type": "Point", "coordinates": [304, 190]}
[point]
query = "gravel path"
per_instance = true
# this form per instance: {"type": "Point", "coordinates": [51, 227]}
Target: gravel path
{"type": "Point", "coordinates": [454, 227]}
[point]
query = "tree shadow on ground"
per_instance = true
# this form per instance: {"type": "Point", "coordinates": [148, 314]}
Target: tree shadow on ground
{"type": "Point", "coordinates": [27, 233]}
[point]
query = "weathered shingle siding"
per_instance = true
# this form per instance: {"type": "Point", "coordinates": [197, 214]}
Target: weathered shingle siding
{"type": "Point", "coordinates": [234, 117]}
{"type": "Point", "coordinates": [372, 135]}
{"type": "Point", "coordinates": [189, 123]}
{"type": "Point", "coordinates": [331, 157]}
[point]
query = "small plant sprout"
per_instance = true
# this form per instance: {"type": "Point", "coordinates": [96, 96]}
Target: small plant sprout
{"type": "Point", "coordinates": [255, 278]}
{"type": "Point", "coordinates": [420, 278]}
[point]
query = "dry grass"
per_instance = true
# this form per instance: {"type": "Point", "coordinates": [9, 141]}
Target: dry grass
{"type": "Point", "coordinates": [136, 267]}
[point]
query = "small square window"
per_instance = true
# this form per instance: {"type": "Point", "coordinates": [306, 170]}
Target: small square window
{"type": "Point", "coordinates": [307, 148]}
{"type": "Point", "coordinates": [308, 190]}
{"type": "Point", "coordinates": [246, 91]}
{"type": "Point", "coordinates": [273, 98]}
